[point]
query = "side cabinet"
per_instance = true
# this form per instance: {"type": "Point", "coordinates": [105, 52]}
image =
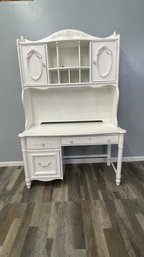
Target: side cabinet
{"type": "Point", "coordinates": [34, 64]}
{"type": "Point", "coordinates": [42, 158]}
{"type": "Point", "coordinates": [104, 61]}
{"type": "Point", "coordinates": [45, 165]}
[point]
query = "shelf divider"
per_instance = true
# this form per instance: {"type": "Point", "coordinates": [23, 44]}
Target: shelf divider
{"type": "Point", "coordinates": [79, 75]}
{"type": "Point", "coordinates": [57, 51]}
{"type": "Point", "coordinates": [79, 54]}
{"type": "Point", "coordinates": [79, 58]}
{"type": "Point", "coordinates": [90, 58]}
{"type": "Point", "coordinates": [48, 73]}
{"type": "Point", "coordinates": [69, 79]}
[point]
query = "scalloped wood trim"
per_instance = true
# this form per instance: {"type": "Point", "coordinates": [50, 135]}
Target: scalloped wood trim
{"type": "Point", "coordinates": [68, 34]}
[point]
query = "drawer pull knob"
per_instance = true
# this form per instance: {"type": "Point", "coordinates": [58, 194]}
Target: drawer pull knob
{"type": "Point", "coordinates": [44, 164]}
{"type": "Point", "coordinates": [46, 144]}
{"type": "Point", "coordinates": [71, 141]}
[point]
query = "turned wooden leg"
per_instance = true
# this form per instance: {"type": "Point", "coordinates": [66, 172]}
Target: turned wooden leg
{"type": "Point", "coordinates": [119, 162]}
{"type": "Point", "coordinates": [28, 183]}
{"type": "Point", "coordinates": [24, 153]}
{"type": "Point", "coordinates": [108, 154]}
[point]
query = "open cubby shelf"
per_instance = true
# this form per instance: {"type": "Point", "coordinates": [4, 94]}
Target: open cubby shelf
{"type": "Point", "coordinates": [68, 62]}
{"type": "Point", "coordinates": [69, 76]}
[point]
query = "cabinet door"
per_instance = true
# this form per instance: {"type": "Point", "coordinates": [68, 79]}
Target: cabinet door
{"type": "Point", "coordinates": [45, 164]}
{"type": "Point", "coordinates": [34, 64]}
{"type": "Point", "coordinates": [104, 61]}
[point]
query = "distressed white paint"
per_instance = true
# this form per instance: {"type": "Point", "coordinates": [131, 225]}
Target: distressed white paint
{"type": "Point", "coordinates": [105, 61]}
{"type": "Point", "coordinates": [71, 79]}
{"type": "Point", "coordinates": [33, 64]}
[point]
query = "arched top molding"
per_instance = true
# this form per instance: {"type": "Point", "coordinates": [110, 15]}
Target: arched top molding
{"type": "Point", "coordinates": [69, 34]}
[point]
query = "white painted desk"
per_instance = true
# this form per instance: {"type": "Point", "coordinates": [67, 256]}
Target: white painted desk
{"type": "Point", "coordinates": [69, 81]}
{"type": "Point", "coordinates": [42, 147]}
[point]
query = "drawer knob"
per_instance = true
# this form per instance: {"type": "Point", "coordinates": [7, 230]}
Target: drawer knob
{"type": "Point", "coordinates": [46, 144]}
{"type": "Point", "coordinates": [44, 164]}
{"type": "Point", "coordinates": [71, 141]}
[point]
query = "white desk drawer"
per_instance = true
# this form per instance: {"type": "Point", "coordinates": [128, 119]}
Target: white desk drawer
{"type": "Point", "coordinates": [89, 140]}
{"type": "Point", "coordinates": [45, 164]}
{"type": "Point", "coordinates": [42, 142]}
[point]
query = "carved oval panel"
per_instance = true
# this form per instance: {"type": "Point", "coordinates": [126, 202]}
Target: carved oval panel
{"type": "Point", "coordinates": [34, 64]}
{"type": "Point", "coordinates": [104, 61]}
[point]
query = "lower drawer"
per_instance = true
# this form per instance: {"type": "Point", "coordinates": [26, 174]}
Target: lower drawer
{"type": "Point", "coordinates": [45, 164]}
{"type": "Point", "coordinates": [89, 140]}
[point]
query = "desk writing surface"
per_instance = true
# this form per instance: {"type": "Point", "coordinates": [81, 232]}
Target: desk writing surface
{"type": "Point", "coordinates": [72, 129]}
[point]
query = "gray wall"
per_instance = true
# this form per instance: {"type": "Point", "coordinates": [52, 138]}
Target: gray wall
{"type": "Point", "coordinates": [37, 19]}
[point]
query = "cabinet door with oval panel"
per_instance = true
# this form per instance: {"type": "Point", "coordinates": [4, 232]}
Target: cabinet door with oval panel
{"type": "Point", "coordinates": [34, 64]}
{"type": "Point", "coordinates": [105, 61]}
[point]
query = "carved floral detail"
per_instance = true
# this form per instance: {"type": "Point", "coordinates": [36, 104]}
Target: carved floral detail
{"type": "Point", "coordinates": [69, 34]}
{"type": "Point", "coordinates": [108, 51]}
{"type": "Point", "coordinates": [39, 56]}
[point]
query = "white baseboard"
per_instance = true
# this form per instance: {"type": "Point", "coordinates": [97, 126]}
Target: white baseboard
{"type": "Point", "coordinates": [72, 160]}
{"type": "Point", "coordinates": [7, 164]}
{"type": "Point", "coordinates": [133, 159]}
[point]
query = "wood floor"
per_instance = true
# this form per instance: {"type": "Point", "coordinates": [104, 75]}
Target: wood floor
{"type": "Point", "coordinates": [85, 215]}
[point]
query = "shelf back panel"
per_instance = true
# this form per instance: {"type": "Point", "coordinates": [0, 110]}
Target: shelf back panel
{"type": "Point", "coordinates": [73, 104]}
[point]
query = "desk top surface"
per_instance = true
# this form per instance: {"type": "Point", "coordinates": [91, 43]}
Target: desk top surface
{"type": "Point", "coordinates": [72, 129]}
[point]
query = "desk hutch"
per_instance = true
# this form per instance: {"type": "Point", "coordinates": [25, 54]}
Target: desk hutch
{"type": "Point", "coordinates": [70, 97]}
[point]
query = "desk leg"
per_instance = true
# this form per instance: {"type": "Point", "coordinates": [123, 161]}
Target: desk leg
{"type": "Point", "coordinates": [119, 162]}
{"type": "Point", "coordinates": [109, 154]}
{"type": "Point", "coordinates": [24, 153]}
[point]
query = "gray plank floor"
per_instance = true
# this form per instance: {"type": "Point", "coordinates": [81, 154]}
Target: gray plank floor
{"type": "Point", "coordinates": [85, 215]}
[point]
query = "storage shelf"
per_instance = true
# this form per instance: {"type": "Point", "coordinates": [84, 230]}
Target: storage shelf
{"type": "Point", "coordinates": [69, 62]}
{"type": "Point", "coordinates": [69, 68]}
{"type": "Point", "coordinates": [68, 75]}
{"type": "Point", "coordinates": [71, 85]}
